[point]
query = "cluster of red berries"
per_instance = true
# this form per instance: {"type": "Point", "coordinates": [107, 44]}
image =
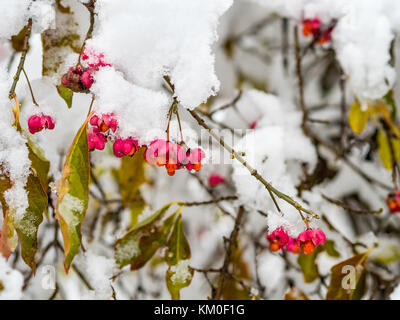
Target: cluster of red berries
{"type": "Point", "coordinates": [393, 201]}
{"type": "Point", "coordinates": [307, 240]}
{"type": "Point", "coordinates": [100, 131]}
{"type": "Point", "coordinates": [39, 122]}
{"type": "Point", "coordinates": [159, 152]}
{"type": "Point", "coordinates": [314, 27]}
{"type": "Point", "coordinates": [80, 78]}
{"type": "Point", "coordinates": [173, 156]}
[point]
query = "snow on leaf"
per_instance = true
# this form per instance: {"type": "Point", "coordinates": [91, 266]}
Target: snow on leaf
{"type": "Point", "coordinates": [73, 194]}
{"type": "Point", "coordinates": [178, 247]}
{"type": "Point", "coordinates": [179, 273]}
{"type": "Point", "coordinates": [178, 277]}
{"type": "Point", "coordinates": [143, 240]}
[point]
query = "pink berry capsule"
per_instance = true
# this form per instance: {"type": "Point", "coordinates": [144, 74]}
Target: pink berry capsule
{"type": "Point", "coordinates": [37, 123]}
{"type": "Point", "coordinates": [125, 147]}
{"type": "Point", "coordinates": [34, 124]}
{"type": "Point", "coordinates": [215, 179]}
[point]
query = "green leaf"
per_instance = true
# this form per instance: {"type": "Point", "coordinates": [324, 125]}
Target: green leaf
{"type": "Point", "coordinates": [136, 208]}
{"type": "Point", "coordinates": [389, 99]}
{"type": "Point", "coordinates": [308, 264]}
{"type": "Point", "coordinates": [40, 164]}
{"type": "Point", "coordinates": [384, 149]}
{"type": "Point", "coordinates": [358, 118]}
{"type": "Point", "coordinates": [348, 279]}
{"type": "Point", "coordinates": [73, 194]}
{"type": "Point", "coordinates": [178, 247]}
{"type": "Point", "coordinates": [27, 228]}
{"type": "Point", "coordinates": [131, 176]}
{"type": "Point", "coordinates": [329, 247]}
{"type": "Point", "coordinates": [135, 247]}
{"type": "Point", "coordinates": [178, 277]}
{"type": "Point", "coordinates": [66, 94]}
{"type": "Point", "coordinates": [179, 273]}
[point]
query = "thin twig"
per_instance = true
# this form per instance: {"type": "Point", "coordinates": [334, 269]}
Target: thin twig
{"type": "Point", "coordinates": [22, 59]}
{"type": "Point", "coordinates": [231, 243]}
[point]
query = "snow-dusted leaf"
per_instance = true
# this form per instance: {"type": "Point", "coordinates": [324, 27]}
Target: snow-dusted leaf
{"type": "Point", "coordinates": [348, 279]}
{"type": "Point", "coordinates": [178, 247]}
{"type": "Point", "coordinates": [137, 246]}
{"type": "Point", "coordinates": [178, 277]}
{"type": "Point", "coordinates": [27, 227]}
{"type": "Point", "coordinates": [179, 273]}
{"type": "Point", "coordinates": [66, 94]}
{"type": "Point", "coordinates": [358, 118]}
{"type": "Point", "coordinates": [73, 194]}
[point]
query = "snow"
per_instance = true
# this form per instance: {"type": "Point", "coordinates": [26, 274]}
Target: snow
{"type": "Point", "coordinates": [14, 161]}
{"type": "Point", "coordinates": [11, 282]}
{"type": "Point", "coordinates": [68, 205]}
{"type": "Point", "coordinates": [276, 150]}
{"type": "Point", "coordinates": [19, 11]}
{"type": "Point", "coordinates": [174, 40]}
{"type": "Point", "coordinates": [99, 270]}
{"type": "Point", "coordinates": [181, 273]}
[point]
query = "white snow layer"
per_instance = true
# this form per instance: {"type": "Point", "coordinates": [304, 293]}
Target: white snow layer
{"type": "Point", "coordinates": [153, 38]}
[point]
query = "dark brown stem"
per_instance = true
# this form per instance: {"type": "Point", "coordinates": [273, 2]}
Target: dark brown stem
{"type": "Point", "coordinates": [300, 81]}
{"type": "Point", "coordinates": [350, 209]}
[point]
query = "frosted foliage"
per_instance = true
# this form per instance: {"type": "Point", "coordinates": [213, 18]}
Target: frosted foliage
{"type": "Point", "coordinates": [19, 11]}
{"type": "Point", "coordinates": [173, 40]}
{"type": "Point", "coordinates": [11, 282]}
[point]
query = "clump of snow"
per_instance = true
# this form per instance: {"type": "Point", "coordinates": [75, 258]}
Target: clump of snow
{"type": "Point", "coordinates": [149, 39]}
{"type": "Point", "coordinates": [395, 295]}
{"type": "Point", "coordinates": [99, 270]}
{"type": "Point", "coordinates": [11, 282]}
{"type": "Point", "coordinates": [68, 205]}
{"type": "Point", "coordinates": [141, 112]}
{"type": "Point", "coordinates": [14, 15]}
{"type": "Point", "coordinates": [14, 161]}
{"type": "Point", "coordinates": [182, 272]}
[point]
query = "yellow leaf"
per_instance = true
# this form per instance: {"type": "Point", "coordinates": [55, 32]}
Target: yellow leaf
{"type": "Point", "coordinates": [384, 149]}
{"type": "Point", "coordinates": [358, 118]}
